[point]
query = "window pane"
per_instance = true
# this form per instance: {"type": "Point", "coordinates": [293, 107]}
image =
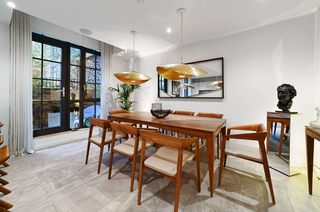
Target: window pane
{"type": "Point", "coordinates": [75, 73]}
{"type": "Point", "coordinates": [74, 115]}
{"type": "Point", "coordinates": [51, 114]}
{"type": "Point", "coordinates": [88, 112]}
{"type": "Point", "coordinates": [75, 56]}
{"type": "Point", "coordinates": [51, 90]}
{"type": "Point", "coordinates": [74, 91]}
{"type": "Point", "coordinates": [98, 88]}
{"type": "Point", "coordinates": [36, 49]}
{"type": "Point", "coordinates": [90, 75]}
{"type": "Point", "coordinates": [51, 70]}
{"type": "Point", "coordinates": [36, 68]}
{"type": "Point", "coordinates": [98, 62]}
{"type": "Point", "coordinates": [52, 53]}
{"type": "Point", "coordinates": [36, 89]}
{"type": "Point", "coordinates": [36, 106]}
{"type": "Point", "coordinates": [98, 76]}
{"type": "Point", "coordinates": [89, 91]}
{"type": "Point", "coordinates": [90, 60]}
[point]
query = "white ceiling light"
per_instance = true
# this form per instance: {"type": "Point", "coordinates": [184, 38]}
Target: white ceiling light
{"type": "Point", "coordinates": [10, 4]}
{"type": "Point", "coordinates": [168, 30]}
{"type": "Point", "coordinates": [85, 31]}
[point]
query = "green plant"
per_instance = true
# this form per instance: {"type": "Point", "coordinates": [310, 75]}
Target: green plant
{"type": "Point", "coordinates": [124, 92]}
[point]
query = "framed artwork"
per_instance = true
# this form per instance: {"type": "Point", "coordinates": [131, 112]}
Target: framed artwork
{"type": "Point", "coordinates": [210, 85]}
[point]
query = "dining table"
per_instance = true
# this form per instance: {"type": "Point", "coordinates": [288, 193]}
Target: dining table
{"type": "Point", "coordinates": [200, 127]}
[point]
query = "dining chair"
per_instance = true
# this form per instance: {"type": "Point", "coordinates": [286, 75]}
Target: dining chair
{"type": "Point", "coordinates": [168, 160]}
{"type": "Point", "coordinates": [103, 139]}
{"type": "Point", "coordinates": [217, 116]}
{"type": "Point", "coordinates": [130, 148]}
{"type": "Point", "coordinates": [113, 112]}
{"type": "Point", "coordinates": [4, 156]}
{"type": "Point", "coordinates": [183, 113]}
{"type": "Point", "coordinates": [238, 145]}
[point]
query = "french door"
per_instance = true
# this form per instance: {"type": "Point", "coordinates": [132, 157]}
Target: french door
{"type": "Point", "coordinates": [66, 85]}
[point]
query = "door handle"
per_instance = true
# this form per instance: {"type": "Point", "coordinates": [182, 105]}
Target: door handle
{"type": "Point", "coordinates": [63, 91]}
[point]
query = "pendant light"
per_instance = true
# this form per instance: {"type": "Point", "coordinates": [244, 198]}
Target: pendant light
{"type": "Point", "coordinates": [218, 84]}
{"type": "Point", "coordinates": [133, 77]}
{"type": "Point", "coordinates": [179, 71]}
{"type": "Point", "coordinates": [186, 85]}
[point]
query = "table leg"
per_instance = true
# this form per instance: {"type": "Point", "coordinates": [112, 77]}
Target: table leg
{"type": "Point", "coordinates": [310, 147]}
{"type": "Point", "coordinates": [268, 135]}
{"type": "Point", "coordinates": [210, 153]}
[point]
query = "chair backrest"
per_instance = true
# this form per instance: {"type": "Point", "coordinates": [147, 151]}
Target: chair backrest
{"type": "Point", "coordinates": [184, 113]}
{"type": "Point", "coordinates": [175, 142]}
{"type": "Point", "coordinates": [259, 129]}
{"type": "Point", "coordinates": [125, 128]}
{"type": "Point", "coordinates": [113, 112]}
{"type": "Point", "coordinates": [103, 123]}
{"type": "Point", "coordinates": [210, 115]}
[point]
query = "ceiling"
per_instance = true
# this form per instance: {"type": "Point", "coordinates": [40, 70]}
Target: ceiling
{"type": "Point", "coordinates": [111, 21]}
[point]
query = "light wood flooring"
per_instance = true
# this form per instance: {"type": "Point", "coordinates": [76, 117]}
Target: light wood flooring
{"type": "Point", "coordinates": [56, 179]}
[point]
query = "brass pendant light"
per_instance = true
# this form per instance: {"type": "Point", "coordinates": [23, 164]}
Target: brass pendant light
{"type": "Point", "coordinates": [179, 71]}
{"type": "Point", "coordinates": [132, 78]}
{"type": "Point", "coordinates": [186, 85]}
{"type": "Point", "coordinates": [218, 84]}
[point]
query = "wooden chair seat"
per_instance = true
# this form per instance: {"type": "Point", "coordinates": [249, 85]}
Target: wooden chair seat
{"type": "Point", "coordinates": [108, 139]}
{"type": "Point", "coordinates": [127, 147]}
{"type": "Point", "coordinates": [165, 160]}
{"type": "Point", "coordinates": [244, 149]}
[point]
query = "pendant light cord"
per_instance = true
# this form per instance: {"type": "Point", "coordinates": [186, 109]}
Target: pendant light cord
{"type": "Point", "coordinates": [181, 35]}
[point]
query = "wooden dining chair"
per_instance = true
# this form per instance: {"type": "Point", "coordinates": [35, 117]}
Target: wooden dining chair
{"type": "Point", "coordinates": [184, 113]}
{"type": "Point", "coordinates": [238, 145]}
{"type": "Point", "coordinates": [113, 112]}
{"type": "Point", "coordinates": [168, 160]}
{"type": "Point", "coordinates": [130, 148]}
{"type": "Point", "coordinates": [4, 156]}
{"type": "Point", "coordinates": [103, 139]}
{"type": "Point", "coordinates": [217, 116]}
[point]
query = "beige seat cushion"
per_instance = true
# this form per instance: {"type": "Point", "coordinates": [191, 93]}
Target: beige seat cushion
{"type": "Point", "coordinates": [244, 148]}
{"type": "Point", "coordinates": [165, 160]}
{"type": "Point", "coordinates": [127, 147]}
{"type": "Point", "coordinates": [97, 139]}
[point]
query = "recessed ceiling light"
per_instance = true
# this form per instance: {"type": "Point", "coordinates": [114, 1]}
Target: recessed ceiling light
{"type": "Point", "coordinates": [10, 4]}
{"type": "Point", "coordinates": [85, 31]}
{"type": "Point", "coordinates": [168, 30]}
{"type": "Point", "coordinates": [140, 1]}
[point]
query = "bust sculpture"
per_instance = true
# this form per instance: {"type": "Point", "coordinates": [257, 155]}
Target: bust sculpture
{"type": "Point", "coordinates": [286, 93]}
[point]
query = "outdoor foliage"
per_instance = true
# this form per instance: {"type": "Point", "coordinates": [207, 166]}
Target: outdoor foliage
{"type": "Point", "coordinates": [124, 92]}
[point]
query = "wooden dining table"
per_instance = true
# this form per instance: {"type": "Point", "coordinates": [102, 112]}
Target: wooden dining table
{"type": "Point", "coordinates": [200, 127]}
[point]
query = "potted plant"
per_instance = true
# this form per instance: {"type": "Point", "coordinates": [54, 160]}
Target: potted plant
{"type": "Point", "coordinates": [124, 92]}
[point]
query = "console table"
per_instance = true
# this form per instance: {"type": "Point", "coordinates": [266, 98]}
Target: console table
{"type": "Point", "coordinates": [311, 134]}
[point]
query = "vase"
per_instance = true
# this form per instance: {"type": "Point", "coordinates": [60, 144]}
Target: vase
{"type": "Point", "coordinates": [316, 123]}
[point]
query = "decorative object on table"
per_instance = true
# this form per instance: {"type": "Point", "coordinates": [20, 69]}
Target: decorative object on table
{"type": "Point", "coordinates": [133, 77]}
{"type": "Point", "coordinates": [156, 111]}
{"type": "Point", "coordinates": [180, 71]}
{"type": "Point", "coordinates": [286, 93]}
{"type": "Point", "coordinates": [203, 87]}
{"type": "Point", "coordinates": [316, 123]}
{"type": "Point", "coordinates": [124, 92]}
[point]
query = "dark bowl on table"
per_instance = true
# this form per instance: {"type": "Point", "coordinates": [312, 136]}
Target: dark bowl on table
{"type": "Point", "coordinates": [160, 113]}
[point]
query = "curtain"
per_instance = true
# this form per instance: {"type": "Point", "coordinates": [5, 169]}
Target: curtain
{"type": "Point", "coordinates": [20, 85]}
{"type": "Point", "coordinates": [106, 53]}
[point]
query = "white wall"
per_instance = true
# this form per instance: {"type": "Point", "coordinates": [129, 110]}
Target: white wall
{"type": "Point", "coordinates": [256, 63]}
{"type": "Point", "coordinates": [55, 31]}
{"type": "Point", "coordinates": [4, 77]}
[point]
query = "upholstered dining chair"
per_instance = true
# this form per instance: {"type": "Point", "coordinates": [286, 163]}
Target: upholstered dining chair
{"type": "Point", "coordinates": [217, 116]}
{"type": "Point", "coordinates": [103, 139]}
{"type": "Point", "coordinates": [130, 148]}
{"type": "Point", "coordinates": [240, 145]}
{"type": "Point", "coordinates": [168, 160]}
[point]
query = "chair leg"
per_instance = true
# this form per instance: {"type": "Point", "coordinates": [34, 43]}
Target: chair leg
{"type": "Point", "coordinates": [88, 149]}
{"type": "Point", "coordinates": [275, 128]}
{"type": "Point", "coordinates": [2, 209]}
{"type": "Point", "coordinates": [3, 182]}
{"type": "Point", "coordinates": [134, 163]}
{"type": "Point", "coordinates": [110, 165]}
{"type": "Point", "coordinates": [5, 164]}
{"type": "Point", "coordinates": [178, 181]}
{"type": "Point", "coordinates": [5, 204]}
{"type": "Point", "coordinates": [3, 172]}
{"type": "Point", "coordinates": [281, 139]}
{"type": "Point", "coordinates": [108, 147]}
{"type": "Point", "coordinates": [198, 166]}
{"type": "Point", "coordinates": [225, 160]}
{"type": "Point", "coordinates": [221, 160]}
{"type": "Point", "coordinates": [100, 157]}
{"type": "Point", "coordinates": [218, 146]}
{"type": "Point", "coordinates": [4, 190]}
